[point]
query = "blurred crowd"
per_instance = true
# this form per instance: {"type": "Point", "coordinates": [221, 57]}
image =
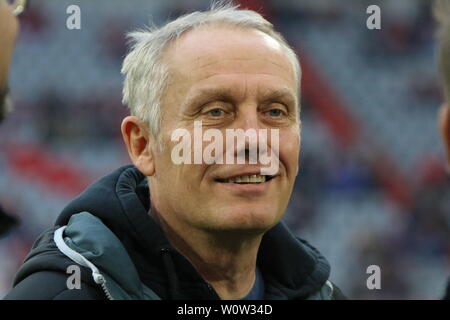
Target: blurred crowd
{"type": "Point", "coordinates": [67, 91]}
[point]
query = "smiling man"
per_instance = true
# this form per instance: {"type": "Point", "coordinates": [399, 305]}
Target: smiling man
{"type": "Point", "coordinates": [161, 229]}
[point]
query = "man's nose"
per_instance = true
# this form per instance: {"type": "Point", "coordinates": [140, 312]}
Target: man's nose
{"type": "Point", "coordinates": [248, 121]}
{"type": "Point", "coordinates": [247, 118]}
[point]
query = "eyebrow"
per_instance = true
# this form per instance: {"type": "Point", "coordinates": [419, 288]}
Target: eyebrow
{"type": "Point", "coordinates": [225, 94]}
{"type": "Point", "coordinates": [281, 93]}
{"type": "Point", "coordinates": [210, 94]}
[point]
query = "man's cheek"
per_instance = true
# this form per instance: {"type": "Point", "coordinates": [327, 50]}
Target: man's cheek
{"type": "Point", "coordinates": [289, 152]}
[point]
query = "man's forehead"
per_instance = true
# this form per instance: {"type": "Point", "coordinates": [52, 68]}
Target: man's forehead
{"type": "Point", "coordinates": [225, 59]}
{"type": "Point", "coordinates": [220, 47]}
{"type": "Point", "coordinates": [229, 78]}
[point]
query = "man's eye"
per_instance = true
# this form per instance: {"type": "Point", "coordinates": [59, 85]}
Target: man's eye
{"type": "Point", "coordinates": [275, 112]}
{"type": "Point", "coordinates": [216, 112]}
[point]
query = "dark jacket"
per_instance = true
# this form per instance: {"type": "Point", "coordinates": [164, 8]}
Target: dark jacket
{"type": "Point", "coordinates": [107, 230]}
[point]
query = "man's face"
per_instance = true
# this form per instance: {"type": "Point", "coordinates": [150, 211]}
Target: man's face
{"type": "Point", "coordinates": [228, 79]}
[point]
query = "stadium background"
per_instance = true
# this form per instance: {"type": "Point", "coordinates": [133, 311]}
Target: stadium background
{"type": "Point", "coordinates": [372, 187]}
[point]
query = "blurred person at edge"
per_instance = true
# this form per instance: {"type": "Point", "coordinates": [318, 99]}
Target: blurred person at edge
{"type": "Point", "coordinates": [442, 15]}
{"type": "Point", "coordinates": [9, 28]}
{"type": "Point", "coordinates": [160, 230]}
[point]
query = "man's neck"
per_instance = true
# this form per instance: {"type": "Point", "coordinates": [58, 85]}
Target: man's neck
{"type": "Point", "coordinates": [226, 261]}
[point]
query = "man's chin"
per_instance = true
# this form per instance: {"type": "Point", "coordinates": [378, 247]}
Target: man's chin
{"type": "Point", "coordinates": [252, 219]}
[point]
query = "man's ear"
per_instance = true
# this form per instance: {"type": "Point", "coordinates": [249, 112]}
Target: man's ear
{"type": "Point", "coordinates": [444, 126]}
{"type": "Point", "coordinates": [138, 141]}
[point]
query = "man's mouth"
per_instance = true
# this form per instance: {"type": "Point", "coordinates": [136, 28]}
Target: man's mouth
{"type": "Point", "coordinates": [247, 179]}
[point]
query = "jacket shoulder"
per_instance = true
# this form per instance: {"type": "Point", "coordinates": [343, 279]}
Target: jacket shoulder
{"type": "Point", "coordinates": [52, 285]}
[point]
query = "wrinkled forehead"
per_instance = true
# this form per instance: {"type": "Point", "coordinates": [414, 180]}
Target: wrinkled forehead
{"type": "Point", "coordinates": [212, 49]}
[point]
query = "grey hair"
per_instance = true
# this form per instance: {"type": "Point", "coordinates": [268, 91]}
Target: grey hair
{"type": "Point", "coordinates": [145, 73]}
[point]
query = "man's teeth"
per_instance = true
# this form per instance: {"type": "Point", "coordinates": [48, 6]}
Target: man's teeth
{"type": "Point", "coordinates": [255, 178]}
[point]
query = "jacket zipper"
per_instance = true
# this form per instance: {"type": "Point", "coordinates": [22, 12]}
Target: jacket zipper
{"type": "Point", "coordinates": [99, 279]}
{"type": "Point", "coordinates": [81, 260]}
